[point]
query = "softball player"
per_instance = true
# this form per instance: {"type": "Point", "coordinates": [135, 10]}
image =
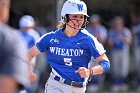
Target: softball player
{"type": "Point", "coordinates": [119, 39]}
{"type": "Point", "coordinates": [25, 24]}
{"type": "Point", "coordinates": [136, 30]}
{"type": "Point", "coordinates": [69, 50]}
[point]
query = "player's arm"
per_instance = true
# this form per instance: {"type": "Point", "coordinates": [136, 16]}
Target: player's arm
{"type": "Point", "coordinates": [33, 52]}
{"type": "Point", "coordinates": [41, 45]}
{"type": "Point", "coordinates": [103, 65]}
{"type": "Point", "coordinates": [103, 62]}
{"type": "Point", "coordinates": [126, 38]}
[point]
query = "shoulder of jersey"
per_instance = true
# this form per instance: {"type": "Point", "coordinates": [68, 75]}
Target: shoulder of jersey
{"type": "Point", "coordinates": [50, 34]}
{"type": "Point", "coordinates": [85, 32]}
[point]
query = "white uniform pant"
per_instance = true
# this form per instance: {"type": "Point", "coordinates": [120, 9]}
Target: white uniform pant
{"type": "Point", "coordinates": [137, 58]}
{"type": "Point", "coordinates": [120, 62]}
{"type": "Point", "coordinates": [53, 86]}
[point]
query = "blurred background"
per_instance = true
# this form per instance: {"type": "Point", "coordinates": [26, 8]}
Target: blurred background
{"type": "Point", "coordinates": [115, 23]}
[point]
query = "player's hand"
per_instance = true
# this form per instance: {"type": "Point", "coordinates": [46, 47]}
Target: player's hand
{"type": "Point", "coordinates": [32, 76]}
{"type": "Point", "coordinates": [96, 70]}
{"type": "Point", "coordinates": [84, 72]}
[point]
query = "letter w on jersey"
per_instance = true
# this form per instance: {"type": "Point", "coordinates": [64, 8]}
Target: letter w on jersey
{"type": "Point", "coordinates": [80, 7]}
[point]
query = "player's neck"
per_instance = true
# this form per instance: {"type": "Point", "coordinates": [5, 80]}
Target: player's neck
{"type": "Point", "coordinates": [70, 32]}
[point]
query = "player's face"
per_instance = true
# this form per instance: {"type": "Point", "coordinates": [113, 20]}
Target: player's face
{"type": "Point", "coordinates": [118, 24]}
{"type": "Point", "coordinates": [76, 20]}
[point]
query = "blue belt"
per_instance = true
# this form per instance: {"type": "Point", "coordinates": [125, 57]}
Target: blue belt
{"type": "Point", "coordinates": [69, 82]}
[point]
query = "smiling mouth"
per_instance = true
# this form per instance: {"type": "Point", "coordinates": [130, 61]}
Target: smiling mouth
{"type": "Point", "coordinates": [77, 26]}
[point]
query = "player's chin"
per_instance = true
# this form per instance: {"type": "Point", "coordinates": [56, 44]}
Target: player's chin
{"type": "Point", "coordinates": [84, 76]}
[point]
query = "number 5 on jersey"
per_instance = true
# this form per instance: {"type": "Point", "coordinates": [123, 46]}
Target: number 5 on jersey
{"type": "Point", "coordinates": [68, 61]}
